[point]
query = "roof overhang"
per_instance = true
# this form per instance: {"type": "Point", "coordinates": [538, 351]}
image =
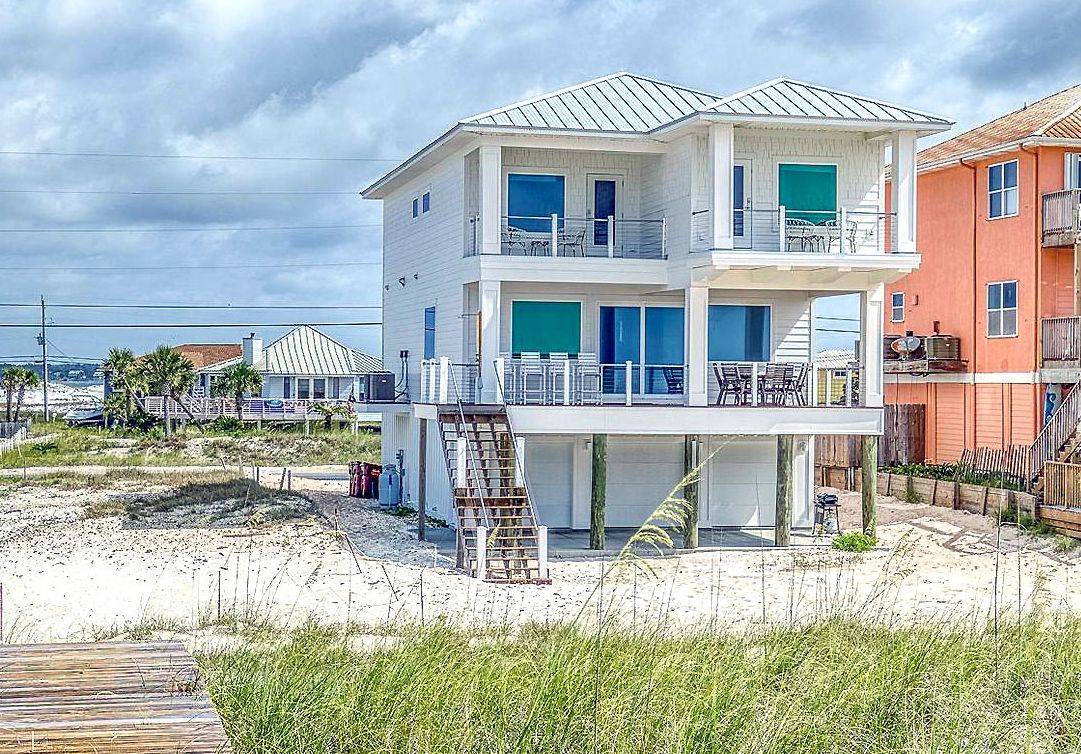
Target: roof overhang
{"type": "Point", "coordinates": [1008, 146]}
{"type": "Point", "coordinates": [876, 127]}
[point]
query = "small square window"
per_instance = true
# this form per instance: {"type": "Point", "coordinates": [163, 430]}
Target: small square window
{"type": "Point", "coordinates": [1002, 309]}
{"type": "Point", "coordinates": [426, 201]}
{"type": "Point", "coordinates": [897, 307]}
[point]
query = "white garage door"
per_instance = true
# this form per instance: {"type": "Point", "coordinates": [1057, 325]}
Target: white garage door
{"type": "Point", "coordinates": [641, 473]}
{"type": "Point", "coordinates": [549, 469]}
{"type": "Point", "coordinates": [742, 482]}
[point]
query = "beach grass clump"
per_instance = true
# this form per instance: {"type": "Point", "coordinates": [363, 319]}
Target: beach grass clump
{"type": "Point", "coordinates": [836, 686]}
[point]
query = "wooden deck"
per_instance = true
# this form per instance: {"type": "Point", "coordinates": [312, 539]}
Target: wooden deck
{"type": "Point", "coordinates": [105, 698]}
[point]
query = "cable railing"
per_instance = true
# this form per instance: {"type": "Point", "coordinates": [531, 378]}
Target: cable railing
{"type": "Point", "coordinates": [581, 237]}
{"type": "Point", "coordinates": [439, 374]}
{"type": "Point", "coordinates": [845, 231]}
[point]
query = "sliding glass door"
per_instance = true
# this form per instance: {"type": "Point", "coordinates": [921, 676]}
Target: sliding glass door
{"type": "Point", "coordinates": [651, 338]}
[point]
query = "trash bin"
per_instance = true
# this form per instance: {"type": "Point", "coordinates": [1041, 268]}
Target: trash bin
{"type": "Point", "coordinates": [369, 480]}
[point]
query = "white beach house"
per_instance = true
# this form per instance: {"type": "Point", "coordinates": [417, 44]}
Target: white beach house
{"type": "Point", "coordinates": [612, 283]}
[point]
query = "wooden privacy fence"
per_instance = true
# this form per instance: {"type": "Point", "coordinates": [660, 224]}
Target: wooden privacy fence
{"type": "Point", "coordinates": [903, 428]}
{"type": "Point", "coordinates": [1062, 484]}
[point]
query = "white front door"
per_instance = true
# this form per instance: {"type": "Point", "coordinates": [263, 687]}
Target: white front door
{"type": "Point", "coordinates": [604, 197]}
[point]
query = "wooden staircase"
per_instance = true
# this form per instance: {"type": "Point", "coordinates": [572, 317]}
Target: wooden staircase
{"type": "Point", "coordinates": [1059, 440]}
{"type": "Point", "coordinates": [491, 497]}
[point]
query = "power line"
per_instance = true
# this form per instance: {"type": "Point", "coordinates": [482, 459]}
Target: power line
{"type": "Point", "coordinates": [177, 193]}
{"type": "Point", "coordinates": [187, 306]}
{"type": "Point", "coordinates": [129, 325]}
{"type": "Point", "coordinates": [151, 156]}
{"type": "Point", "coordinates": [189, 230]}
{"type": "Point", "coordinates": [155, 268]}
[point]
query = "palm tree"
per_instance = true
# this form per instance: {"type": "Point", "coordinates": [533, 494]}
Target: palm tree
{"type": "Point", "coordinates": [236, 380]}
{"type": "Point", "coordinates": [125, 375]}
{"type": "Point", "coordinates": [26, 379]}
{"type": "Point", "coordinates": [168, 374]}
{"type": "Point", "coordinates": [10, 384]}
{"type": "Point", "coordinates": [329, 411]}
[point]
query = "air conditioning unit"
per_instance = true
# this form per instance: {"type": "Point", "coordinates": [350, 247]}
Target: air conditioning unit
{"type": "Point", "coordinates": [380, 387]}
{"type": "Point", "coordinates": [887, 348]}
{"type": "Point", "coordinates": [943, 347]}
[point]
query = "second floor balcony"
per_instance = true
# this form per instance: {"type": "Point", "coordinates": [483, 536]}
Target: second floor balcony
{"type": "Point", "coordinates": [780, 229]}
{"type": "Point", "coordinates": [556, 236]}
{"type": "Point", "coordinates": [1060, 343]}
{"type": "Point", "coordinates": [1061, 218]}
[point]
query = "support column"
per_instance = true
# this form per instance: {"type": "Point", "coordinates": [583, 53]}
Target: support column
{"type": "Point", "coordinates": [491, 180]}
{"type": "Point", "coordinates": [696, 344]}
{"type": "Point", "coordinates": [782, 521]}
{"type": "Point", "coordinates": [903, 189]}
{"type": "Point", "coordinates": [691, 445]}
{"type": "Point", "coordinates": [872, 310]}
{"type": "Point", "coordinates": [869, 483]}
{"type": "Point", "coordinates": [422, 479]}
{"type": "Point", "coordinates": [488, 332]}
{"type": "Point", "coordinates": [599, 492]}
{"type": "Point", "coordinates": [721, 158]}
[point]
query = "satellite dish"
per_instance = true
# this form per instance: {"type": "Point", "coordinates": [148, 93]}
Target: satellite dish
{"type": "Point", "coordinates": [906, 345]}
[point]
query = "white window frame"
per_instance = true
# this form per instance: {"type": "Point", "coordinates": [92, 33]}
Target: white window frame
{"type": "Point", "coordinates": [1071, 175]}
{"type": "Point", "coordinates": [894, 306]}
{"type": "Point", "coordinates": [1004, 191]}
{"type": "Point", "coordinates": [414, 209]}
{"type": "Point", "coordinates": [1003, 309]}
{"type": "Point", "coordinates": [426, 196]}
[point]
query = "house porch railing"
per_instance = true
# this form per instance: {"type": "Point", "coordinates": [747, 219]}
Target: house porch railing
{"type": "Point", "coordinates": [251, 409]}
{"type": "Point", "coordinates": [1060, 339]}
{"type": "Point", "coordinates": [846, 231]}
{"type": "Point", "coordinates": [1061, 217]}
{"type": "Point", "coordinates": [581, 237]}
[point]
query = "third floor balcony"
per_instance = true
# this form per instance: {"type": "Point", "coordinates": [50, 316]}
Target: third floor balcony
{"type": "Point", "coordinates": [1061, 217]}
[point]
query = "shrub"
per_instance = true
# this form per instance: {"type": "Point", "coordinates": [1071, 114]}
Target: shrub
{"type": "Point", "coordinates": [854, 541]}
{"type": "Point", "coordinates": [227, 425]}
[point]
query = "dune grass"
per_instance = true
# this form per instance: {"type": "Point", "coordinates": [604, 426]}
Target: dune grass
{"type": "Point", "coordinates": [831, 687]}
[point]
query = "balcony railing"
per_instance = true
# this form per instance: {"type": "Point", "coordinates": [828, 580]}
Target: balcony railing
{"type": "Point", "coordinates": [846, 231]}
{"type": "Point", "coordinates": [556, 236]}
{"type": "Point", "coordinates": [1061, 217]}
{"type": "Point", "coordinates": [443, 381]}
{"type": "Point", "coordinates": [251, 409]}
{"type": "Point", "coordinates": [1060, 339]}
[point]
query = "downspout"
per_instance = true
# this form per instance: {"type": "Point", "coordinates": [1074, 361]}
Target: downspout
{"type": "Point", "coordinates": [975, 304]}
{"type": "Point", "coordinates": [1039, 286]}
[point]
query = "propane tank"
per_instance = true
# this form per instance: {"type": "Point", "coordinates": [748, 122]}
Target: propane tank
{"type": "Point", "coordinates": [390, 487]}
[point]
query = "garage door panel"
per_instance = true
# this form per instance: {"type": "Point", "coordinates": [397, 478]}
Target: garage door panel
{"type": "Point", "coordinates": [550, 469]}
{"type": "Point", "coordinates": [743, 482]}
{"type": "Point", "coordinates": [641, 473]}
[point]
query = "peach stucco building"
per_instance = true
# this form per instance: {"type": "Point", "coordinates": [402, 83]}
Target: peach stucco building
{"type": "Point", "coordinates": [998, 226]}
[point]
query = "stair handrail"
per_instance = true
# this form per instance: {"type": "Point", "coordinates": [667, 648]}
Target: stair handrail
{"type": "Point", "coordinates": [470, 459]}
{"type": "Point", "coordinates": [518, 462]}
{"type": "Point", "coordinates": [1055, 433]}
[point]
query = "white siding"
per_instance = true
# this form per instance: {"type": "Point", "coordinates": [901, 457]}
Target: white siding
{"type": "Point", "coordinates": [576, 165]}
{"type": "Point", "coordinates": [550, 473]}
{"type": "Point", "coordinates": [667, 192]}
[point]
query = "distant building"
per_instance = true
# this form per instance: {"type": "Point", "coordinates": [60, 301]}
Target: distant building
{"type": "Point", "coordinates": [303, 364]}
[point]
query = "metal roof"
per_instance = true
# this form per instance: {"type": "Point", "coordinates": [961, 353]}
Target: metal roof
{"type": "Point", "coordinates": [620, 102]}
{"type": "Point", "coordinates": [307, 351]}
{"type": "Point", "coordinates": [784, 98]}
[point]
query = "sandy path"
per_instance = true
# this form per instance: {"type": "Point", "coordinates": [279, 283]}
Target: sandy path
{"type": "Point", "coordinates": [66, 576]}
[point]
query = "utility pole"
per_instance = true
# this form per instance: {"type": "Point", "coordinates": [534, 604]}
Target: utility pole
{"type": "Point", "coordinates": [44, 343]}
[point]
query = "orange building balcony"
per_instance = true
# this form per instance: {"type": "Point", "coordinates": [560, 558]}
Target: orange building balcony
{"type": "Point", "coordinates": [1061, 217]}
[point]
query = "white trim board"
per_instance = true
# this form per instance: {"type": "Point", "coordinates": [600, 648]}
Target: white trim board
{"type": "Point", "coordinates": [968, 378]}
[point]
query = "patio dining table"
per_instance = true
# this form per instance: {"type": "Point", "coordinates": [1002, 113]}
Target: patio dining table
{"type": "Point", "coordinates": [761, 384]}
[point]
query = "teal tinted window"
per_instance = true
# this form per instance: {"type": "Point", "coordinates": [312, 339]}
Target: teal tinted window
{"type": "Point", "coordinates": [738, 333]}
{"type": "Point", "coordinates": [546, 327]}
{"type": "Point", "coordinates": [808, 192]}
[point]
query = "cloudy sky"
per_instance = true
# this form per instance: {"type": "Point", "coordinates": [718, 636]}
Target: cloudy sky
{"type": "Point", "coordinates": [373, 81]}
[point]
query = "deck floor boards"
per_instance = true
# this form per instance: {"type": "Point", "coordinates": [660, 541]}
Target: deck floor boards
{"type": "Point", "coordinates": [105, 698]}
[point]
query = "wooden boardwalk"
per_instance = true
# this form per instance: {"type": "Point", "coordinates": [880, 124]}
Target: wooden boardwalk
{"type": "Point", "coordinates": [105, 698]}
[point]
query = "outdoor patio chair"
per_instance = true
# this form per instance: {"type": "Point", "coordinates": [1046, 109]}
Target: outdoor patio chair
{"type": "Point", "coordinates": [511, 237]}
{"type": "Point", "coordinates": [531, 387]}
{"type": "Point", "coordinates": [558, 363]}
{"type": "Point", "coordinates": [587, 379]}
{"type": "Point", "coordinates": [801, 232]}
{"type": "Point", "coordinates": [775, 383]}
{"type": "Point", "coordinates": [540, 247]}
{"type": "Point", "coordinates": [803, 371]}
{"type": "Point", "coordinates": [833, 233]}
{"type": "Point", "coordinates": [729, 383]}
{"type": "Point", "coordinates": [572, 243]}
{"type": "Point", "coordinates": [673, 379]}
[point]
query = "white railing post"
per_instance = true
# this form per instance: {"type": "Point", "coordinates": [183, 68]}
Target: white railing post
{"type": "Point", "coordinates": [842, 230]}
{"type": "Point", "coordinates": [664, 238]}
{"type": "Point", "coordinates": [567, 382]}
{"type": "Point", "coordinates": [444, 378]}
{"type": "Point", "coordinates": [812, 386]}
{"type": "Point", "coordinates": [783, 218]}
{"type": "Point", "coordinates": [482, 551]}
{"type": "Point", "coordinates": [542, 552]}
{"type": "Point", "coordinates": [754, 383]}
{"type": "Point", "coordinates": [628, 373]}
{"type": "Point", "coordinates": [555, 235]}
{"type": "Point", "coordinates": [500, 377]}
{"type": "Point", "coordinates": [611, 237]}
{"type": "Point", "coordinates": [848, 386]}
{"type": "Point", "coordinates": [459, 461]}
{"type": "Point", "coordinates": [519, 462]}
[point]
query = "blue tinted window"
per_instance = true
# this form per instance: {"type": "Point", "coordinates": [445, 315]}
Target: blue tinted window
{"type": "Point", "coordinates": [738, 333]}
{"type": "Point", "coordinates": [1009, 295]}
{"type": "Point", "coordinates": [416, 208]}
{"type": "Point", "coordinates": [532, 199]}
{"type": "Point", "coordinates": [994, 177]}
{"type": "Point", "coordinates": [994, 296]}
{"type": "Point", "coordinates": [426, 201]}
{"type": "Point", "coordinates": [1002, 189]}
{"type": "Point", "coordinates": [664, 335]}
{"type": "Point", "coordinates": [429, 333]}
